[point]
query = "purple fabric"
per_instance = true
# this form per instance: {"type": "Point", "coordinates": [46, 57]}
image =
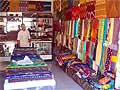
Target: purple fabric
{"type": "Point", "coordinates": [112, 67]}
{"type": "Point", "coordinates": [116, 30]}
{"type": "Point", "coordinates": [107, 64]}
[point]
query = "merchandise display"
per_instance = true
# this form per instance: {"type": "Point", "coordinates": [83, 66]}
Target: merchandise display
{"type": "Point", "coordinates": [93, 34]}
{"type": "Point", "coordinates": [82, 37]}
{"type": "Point", "coordinates": [27, 68]}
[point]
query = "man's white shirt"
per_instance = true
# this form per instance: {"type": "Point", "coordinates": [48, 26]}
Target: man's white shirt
{"type": "Point", "coordinates": [23, 36]}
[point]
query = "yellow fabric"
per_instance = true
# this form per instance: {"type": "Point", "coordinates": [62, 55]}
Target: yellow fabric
{"type": "Point", "coordinates": [98, 52]}
{"type": "Point", "coordinates": [110, 34]}
{"type": "Point", "coordinates": [114, 59]}
{"type": "Point", "coordinates": [69, 57]}
{"type": "Point", "coordinates": [100, 39]}
{"type": "Point", "coordinates": [106, 86]}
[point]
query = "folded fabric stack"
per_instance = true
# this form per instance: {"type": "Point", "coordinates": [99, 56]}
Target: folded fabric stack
{"type": "Point", "coordinates": [27, 67]}
{"type": "Point", "coordinates": [83, 74]}
{"type": "Point", "coordinates": [87, 78]}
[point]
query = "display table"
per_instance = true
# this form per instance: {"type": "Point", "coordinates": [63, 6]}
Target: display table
{"type": "Point", "coordinates": [27, 71]}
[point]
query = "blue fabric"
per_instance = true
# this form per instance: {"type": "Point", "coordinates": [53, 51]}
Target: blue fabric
{"type": "Point", "coordinates": [76, 24]}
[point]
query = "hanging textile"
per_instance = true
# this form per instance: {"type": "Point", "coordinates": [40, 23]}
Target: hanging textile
{"type": "Point", "coordinates": [76, 24]}
{"type": "Point", "coordinates": [85, 29]}
{"type": "Point", "coordinates": [72, 28]}
{"type": "Point", "coordinates": [70, 23]}
{"type": "Point", "coordinates": [91, 50]}
{"type": "Point", "coordinates": [103, 42]}
{"type": "Point", "coordinates": [107, 64]}
{"type": "Point", "coordinates": [75, 43]}
{"type": "Point", "coordinates": [67, 27]}
{"type": "Point", "coordinates": [78, 45]}
{"type": "Point", "coordinates": [87, 47]}
{"type": "Point", "coordinates": [82, 35]}
{"type": "Point", "coordinates": [110, 33]}
{"type": "Point", "coordinates": [116, 30]}
{"type": "Point", "coordinates": [100, 39]}
{"type": "Point", "coordinates": [90, 11]}
{"type": "Point", "coordinates": [117, 79]}
{"type": "Point", "coordinates": [94, 31]}
{"type": "Point", "coordinates": [75, 12]}
{"type": "Point", "coordinates": [81, 55]}
{"type": "Point", "coordinates": [64, 40]}
{"type": "Point", "coordinates": [82, 11]}
{"type": "Point", "coordinates": [80, 29]}
{"type": "Point", "coordinates": [114, 60]}
{"type": "Point", "coordinates": [69, 42]}
{"type": "Point", "coordinates": [88, 36]}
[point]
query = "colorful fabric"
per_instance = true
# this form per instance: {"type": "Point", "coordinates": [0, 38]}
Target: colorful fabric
{"type": "Point", "coordinates": [85, 29]}
{"type": "Point", "coordinates": [104, 80]}
{"type": "Point", "coordinates": [87, 48]}
{"type": "Point", "coordinates": [90, 11]}
{"type": "Point", "coordinates": [82, 11]}
{"type": "Point", "coordinates": [104, 59]}
{"type": "Point", "coordinates": [80, 29]}
{"type": "Point", "coordinates": [94, 31]}
{"type": "Point", "coordinates": [76, 24]}
{"type": "Point", "coordinates": [108, 60]}
{"type": "Point", "coordinates": [91, 50]}
{"type": "Point", "coordinates": [104, 38]}
{"type": "Point", "coordinates": [110, 33]}
{"type": "Point", "coordinates": [116, 30]}
{"type": "Point", "coordinates": [88, 37]}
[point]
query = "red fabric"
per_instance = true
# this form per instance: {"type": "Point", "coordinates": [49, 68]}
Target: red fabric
{"type": "Point", "coordinates": [94, 32]}
{"type": "Point", "coordinates": [87, 48]}
{"type": "Point", "coordinates": [82, 11]}
{"type": "Point", "coordinates": [75, 12]}
{"type": "Point", "coordinates": [69, 14]}
{"type": "Point", "coordinates": [90, 11]}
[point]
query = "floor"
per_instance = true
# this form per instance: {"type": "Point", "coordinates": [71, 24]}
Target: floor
{"type": "Point", "coordinates": [63, 82]}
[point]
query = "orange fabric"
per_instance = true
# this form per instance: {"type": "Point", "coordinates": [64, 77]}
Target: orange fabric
{"type": "Point", "coordinates": [104, 80]}
{"type": "Point", "coordinates": [94, 32]}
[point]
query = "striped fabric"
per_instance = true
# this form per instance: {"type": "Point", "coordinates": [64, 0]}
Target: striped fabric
{"type": "Point", "coordinates": [4, 6]}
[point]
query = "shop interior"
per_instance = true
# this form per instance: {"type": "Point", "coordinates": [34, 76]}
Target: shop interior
{"type": "Point", "coordinates": [73, 45]}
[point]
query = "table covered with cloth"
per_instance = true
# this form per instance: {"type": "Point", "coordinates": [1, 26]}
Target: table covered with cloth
{"type": "Point", "coordinates": [27, 71]}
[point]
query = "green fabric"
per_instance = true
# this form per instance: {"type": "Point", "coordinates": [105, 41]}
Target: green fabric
{"type": "Point", "coordinates": [104, 38]}
{"type": "Point", "coordinates": [24, 66]}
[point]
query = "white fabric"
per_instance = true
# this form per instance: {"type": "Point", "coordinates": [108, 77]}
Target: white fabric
{"type": "Point", "coordinates": [23, 36]}
{"type": "Point", "coordinates": [25, 61]}
{"type": "Point", "coordinates": [28, 84]}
